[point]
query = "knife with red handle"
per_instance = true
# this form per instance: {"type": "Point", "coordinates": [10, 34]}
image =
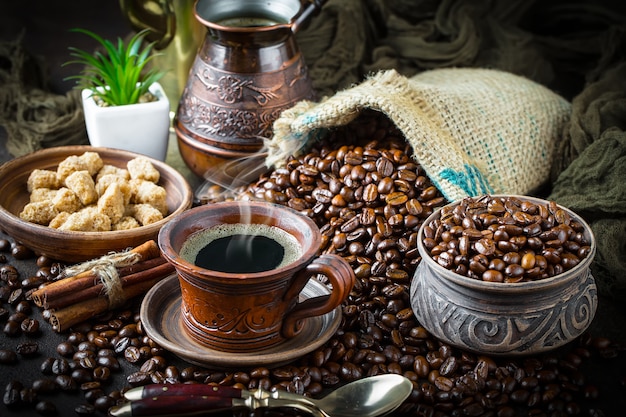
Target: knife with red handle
{"type": "Point", "coordinates": [157, 390]}
{"type": "Point", "coordinates": [194, 399]}
{"type": "Point", "coordinates": [174, 405]}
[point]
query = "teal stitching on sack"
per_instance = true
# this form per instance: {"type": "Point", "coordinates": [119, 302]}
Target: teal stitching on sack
{"type": "Point", "coordinates": [471, 181]}
{"type": "Point", "coordinates": [309, 119]}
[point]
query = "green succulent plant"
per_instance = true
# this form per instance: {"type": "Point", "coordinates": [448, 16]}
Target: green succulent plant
{"type": "Point", "coordinates": [119, 75]}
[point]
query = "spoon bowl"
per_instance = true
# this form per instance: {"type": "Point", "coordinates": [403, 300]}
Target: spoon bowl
{"type": "Point", "coordinates": [367, 397]}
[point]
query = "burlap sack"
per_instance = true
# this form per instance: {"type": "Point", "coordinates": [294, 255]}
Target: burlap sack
{"type": "Point", "coordinates": [475, 131]}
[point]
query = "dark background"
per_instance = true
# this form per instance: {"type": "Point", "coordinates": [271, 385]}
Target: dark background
{"type": "Point", "coordinates": [45, 30]}
{"type": "Point", "coordinates": [45, 27]}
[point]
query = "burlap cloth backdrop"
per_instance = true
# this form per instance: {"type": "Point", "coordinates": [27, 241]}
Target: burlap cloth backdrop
{"type": "Point", "coordinates": [33, 117]}
{"type": "Point", "coordinates": [574, 49]}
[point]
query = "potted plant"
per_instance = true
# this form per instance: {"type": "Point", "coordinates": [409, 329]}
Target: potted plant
{"type": "Point", "coordinates": [125, 107]}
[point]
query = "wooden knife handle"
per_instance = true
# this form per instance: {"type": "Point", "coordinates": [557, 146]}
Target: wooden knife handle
{"type": "Point", "coordinates": [174, 405]}
{"type": "Point", "coordinates": [158, 390]}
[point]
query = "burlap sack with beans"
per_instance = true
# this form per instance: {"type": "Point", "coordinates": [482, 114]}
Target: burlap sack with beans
{"type": "Point", "coordinates": [475, 131]}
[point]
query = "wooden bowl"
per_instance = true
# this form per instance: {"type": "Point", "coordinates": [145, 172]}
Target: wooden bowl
{"type": "Point", "coordinates": [498, 318]}
{"type": "Point", "coordinates": [71, 246]}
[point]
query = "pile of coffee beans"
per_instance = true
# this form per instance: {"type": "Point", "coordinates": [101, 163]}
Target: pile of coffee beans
{"type": "Point", "coordinates": [506, 239]}
{"type": "Point", "coordinates": [369, 201]}
{"type": "Point", "coordinates": [369, 198]}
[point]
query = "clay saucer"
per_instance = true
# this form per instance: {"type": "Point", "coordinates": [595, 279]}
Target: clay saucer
{"type": "Point", "coordinates": [162, 321]}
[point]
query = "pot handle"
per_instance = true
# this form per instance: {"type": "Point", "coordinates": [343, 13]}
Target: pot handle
{"type": "Point", "coordinates": [342, 279]}
{"type": "Point", "coordinates": [302, 18]}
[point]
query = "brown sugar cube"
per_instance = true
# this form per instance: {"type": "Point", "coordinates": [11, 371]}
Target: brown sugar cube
{"type": "Point", "coordinates": [70, 165]}
{"type": "Point", "coordinates": [92, 161]}
{"type": "Point", "coordinates": [82, 184]}
{"type": "Point", "coordinates": [40, 212]}
{"type": "Point", "coordinates": [59, 219]}
{"type": "Point", "coordinates": [125, 223]}
{"type": "Point", "coordinates": [111, 203]}
{"type": "Point", "coordinates": [42, 194]}
{"type": "Point", "coordinates": [106, 180]}
{"type": "Point", "coordinates": [146, 192]}
{"type": "Point", "coordinates": [108, 169]}
{"type": "Point", "coordinates": [142, 169]}
{"type": "Point", "coordinates": [146, 214]}
{"type": "Point", "coordinates": [88, 219]}
{"type": "Point", "coordinates": [66, 200]}
{"type": "Point", "coordinates": [42, 178]}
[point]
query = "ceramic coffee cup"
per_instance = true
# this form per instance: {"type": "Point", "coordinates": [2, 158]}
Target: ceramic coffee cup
{"type": "Point", "coordinates": [241, 268]}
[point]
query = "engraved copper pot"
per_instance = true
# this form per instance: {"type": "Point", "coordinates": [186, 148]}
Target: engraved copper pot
{"type": "Point", "coordinates": [247, 71]}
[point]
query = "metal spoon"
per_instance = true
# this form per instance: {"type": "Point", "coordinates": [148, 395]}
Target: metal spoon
{"type": "Point", "coordinates": [367, 397]}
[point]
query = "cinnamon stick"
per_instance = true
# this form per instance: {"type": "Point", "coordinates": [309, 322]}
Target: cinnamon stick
{"type": "Point", "coordinates": [52, 295]}
{"type": "Point", "coordinates": [141, 266]}
{"type": "Point", "coordinates": [77, 298]}
{"type": "Point", "coordinates": [148, 251]}
{"type": "Point", "coordinates": [63, 286]}
{"type": "Point", "coordinates": [163, 269]}
{"type": "Point", "coordinates": [67, 317]}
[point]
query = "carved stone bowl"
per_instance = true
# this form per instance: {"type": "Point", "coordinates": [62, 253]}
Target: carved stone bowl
{"type": "Point", "coordinates": [504, 318]}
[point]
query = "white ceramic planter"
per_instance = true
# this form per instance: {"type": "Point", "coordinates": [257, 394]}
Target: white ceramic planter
{"type": "Point", "coordinates": [141, 128]}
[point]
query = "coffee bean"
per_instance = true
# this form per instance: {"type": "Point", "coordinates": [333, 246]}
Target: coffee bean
{"type": "Point", "coordinates": [132, 354]}
{"type": "Point", "coordinates": [103, 403]}
{"type": "Point", "coordinates": [9, 274]}
{"type": "Point", "coordinates": [66, 383]}
{"type": "Point", "coordinates": [90, 385]}
{"type": "Point", "coordinates": [16, 296]}
{"type": "Point", "coordinates": [28, 395]}
{"type": "Point", "coordinates": [60, 367]}
{"type": "Point", "coordinates": [65, 349]}
{"type": "Point", "coordinates": [138, 378]}
{"type": "Point", "coordinates": [44, 386]}
{"type": "Point", "coordinates": [27, 349]}
{"type": "Point", "coordinates": [110, 362]}
{"type": "Point", "coordinates": [502, 242]}
{"type": "Point", "coordinates": [21, 252]}
{"type": "Point", "coordinates": [101, 373]}
{"type": "Point", "coordinates": [85, 410]}
{"type": "Point", "coordinates": [81, 375]}
{"type": "Point", "coordinates": [7, 357]}
{"type": "Point", "coordinates": [30, 326]}
{"type": "Point", "coordinates": [11, 397]}
{"type": "Point", "coordinates": [93, 394]}
{"type": "Point", "coordinates": [5, 245]}
{"type": "Point", "coordinates": [12, 328]}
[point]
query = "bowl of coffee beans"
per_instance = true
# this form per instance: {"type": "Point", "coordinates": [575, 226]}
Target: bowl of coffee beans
{"type": "Point", "coordinates": [505, 275]}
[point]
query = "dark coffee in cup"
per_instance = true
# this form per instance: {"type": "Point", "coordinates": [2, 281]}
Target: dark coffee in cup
{"type": "Point", "coordinates": [241, 248]}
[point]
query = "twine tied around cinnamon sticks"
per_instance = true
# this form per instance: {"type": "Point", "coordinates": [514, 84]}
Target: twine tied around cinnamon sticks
{"type": "Point", "coordinates": [105, 269]}
{"type": "Point", "coordinates": [93, 287]}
